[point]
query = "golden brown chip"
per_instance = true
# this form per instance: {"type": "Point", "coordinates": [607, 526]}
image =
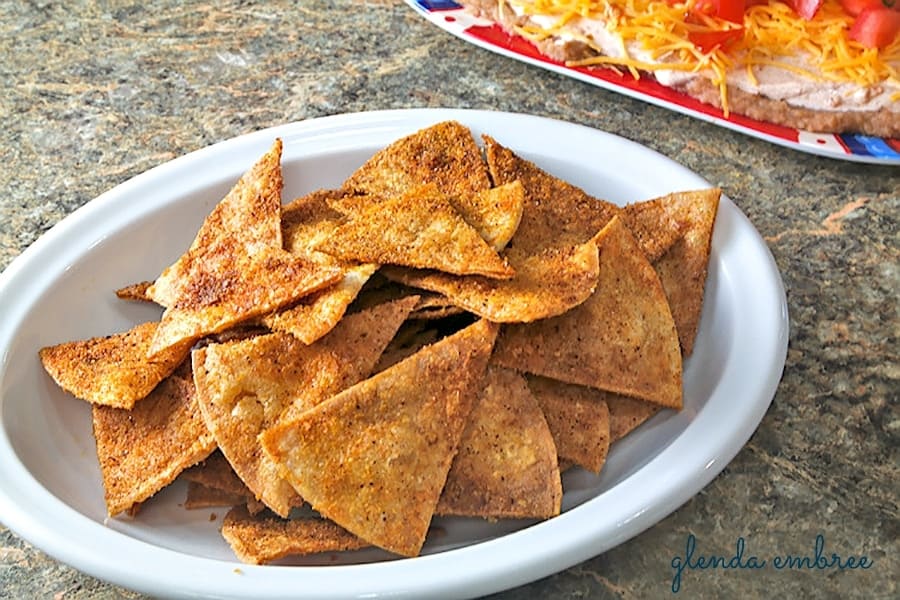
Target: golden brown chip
{"type": "Point", "coordinates": [419, 228]}
{"type": "Point", "coordinates": [318, 313]}
{"type": "Point", "coordinates": [375, 457]}
{"type": "Point", "coordinates": [244, 387]}
{"type": "Point", "coordinates": [494, 213]}
{"type": "Point", "coordinates": [216, 472]}
{"type": "Point", "coordinates": [247, 219]}
{"type": "Point", "coordinates": [654, 227]}
{"type": "Point", "coordinates": [308, 220]}
{"type": "Point", "coordinates": [546, 284]}
{"type": "Point", "coordinates": [260, 539]}
{"type": "Point", "coordinates": [142, 450]}
{"type": "Point", "coordinates": [136, 291]}
{"type": "Point", "coordinates": [626, 414]}
{"type": "Point", "coordinates": [621, 339]}
{"type": "Point", "coordinates": [236, 268]}
{"type": "Point", "coordinates": [578, 417]}
{"type": "Point", "coordinates": [113, 370]}
{"type": "Point", "coordinates": [200, 496]}
{"type": "Point", "coordinates": [444, 154]}
{"type": "Point", "coordinates": [506, 465]}
{"type": "Point", "coordinates": [683, 268]}
{"type": "Point", "coordinates": [555, 212]}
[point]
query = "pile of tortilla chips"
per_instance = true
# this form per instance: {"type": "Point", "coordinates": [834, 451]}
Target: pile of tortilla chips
{"type": "Point", "coordinates": [442, 335]}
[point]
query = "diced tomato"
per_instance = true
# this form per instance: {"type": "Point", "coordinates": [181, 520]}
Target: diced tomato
{"type": "Point", "coordinates": [806, 8]}
{"type": "Point", "coordinates": [730, 10]}
{"type": "Point", "coordinates": [854, 7]}
{"type": "Point", "coordinates": [707, 41]}
{"type": "Point", "coordinates": [876, 27]}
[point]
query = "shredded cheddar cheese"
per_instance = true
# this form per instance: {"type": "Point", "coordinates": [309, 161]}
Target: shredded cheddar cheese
{"type": "Point", "coordinates": [772, 36]}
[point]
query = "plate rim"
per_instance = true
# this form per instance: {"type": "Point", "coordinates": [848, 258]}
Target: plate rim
{"type": "Point", "coordinates": [439, 572]}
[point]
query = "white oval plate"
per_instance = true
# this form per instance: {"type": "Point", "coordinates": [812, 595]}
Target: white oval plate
{"type": "Point", "coordinates": [61, 288]}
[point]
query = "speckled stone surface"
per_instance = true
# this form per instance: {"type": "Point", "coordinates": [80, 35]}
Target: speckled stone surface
{"type": "Point", "coordinates": [95, 93]}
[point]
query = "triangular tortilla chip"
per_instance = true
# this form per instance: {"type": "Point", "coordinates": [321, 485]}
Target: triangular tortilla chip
{"type": "Point", "coordinates": [555, 212]}
{"type": "Point", "coordinates": [494, 213]}
{"type": "Point", "coordinates": [318, 313]}
{"type": "Point", "coordinates": [626, 414]}
{"type": "Point", "coordinates": [578, 417]}
{"type": "Point", "coordinates": [682, 270]}
{"type": "Point", "coordinates": [506, 465]}
{"type": "Point", "coordinates": [546, 284]}
{"type": "Point", "coordinates": [374, 458]}
{"type": "Point", "coordinates": [246, 220]}
{"type": "Point", "coordinates": [444, 154]}
{"type": "Point", "coordinates": [200, 496]}
{"type": "Point", "coordinates": [260, 539]}
{"type": "Point", "coordinates": [419, 228]}
{"type": "Point", "coordinates": [621, 339]}
{"type": "Point", "coordinates": [136, 291]}
{"type": "Point", "coordinates": [112, 370]}
{"type": "Point", "coordinates": [216, 472]}
{"type": "Point", "coordinates": [142, 450]}
{"type": "Point", "coordinates": [654, 227]}
{"type": "Point", "coordinates": [236, 268]}
{"type": "Point", "coordinates": [244, 387]}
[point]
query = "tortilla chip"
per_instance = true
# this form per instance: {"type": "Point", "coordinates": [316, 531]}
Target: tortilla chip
{"type": "Point", "coordinates": [245, 387]}
{"type": "Point", "coordinates": [434, 306]}
{"type": "Point", "coordinates": [494, 213]}
{"type": "Point", "coordinates": [621, 339]}
{"type": "Point", "coordinates": [578, 417]}
{"type": "Point", "coordinates": [247, 219]}
{"type": "Point", "coordinates": [260, 539]}
{"type": "Point", "coordinates": [374, 458]}
{"type": "Point", "coordinates": [546, 284]}
{"type": "Point", "coordinates": [200, 496]}
{"type": "Point", "coordinates": [216, 472]}
{"type": "Point", "coordinates": [506, 466]}
{"type": "Point", "coordinates": [654, 227]}
{"type": "Point", "coordinates": [142, 450]}
{"type": "Point", "coordinates": [626, 414]}
{"type": "Point", "coordinates": [236, 269]}
{"type": "Point", "coordinates": [113, 370]}
{"type": "Point", "coordinates": [555, 212]}
{"type": "Point", "coordinates": [444, 154]}
{"type": "Point", "coordinates": [419, 228]}
{"type": "Point", "coordinates": [683, 269]}
{"type": "Point", "coordinates": [307, 221]}
{"type": "Point", "coordinates": [411, 337]}
{"type": "Point", "coordinates": [318, 313]}
{"type": "Point", "coordinates": [136, 291]}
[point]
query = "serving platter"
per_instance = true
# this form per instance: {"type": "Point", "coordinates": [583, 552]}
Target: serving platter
{"type": "Point", "coordinates": [454, 19]}
{"type": "Point", "coordinates": [61, 288]}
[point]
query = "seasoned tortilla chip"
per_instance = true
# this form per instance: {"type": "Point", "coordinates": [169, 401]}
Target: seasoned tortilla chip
{"type": "Point", "coordinates": [216, 472]}
{"type": "Point", "coordinates": [142, 450]}
{"type": "Point", "coordinates": [244, 387]}
{"type": "Point", "coordinates": [374, 458]}
{"type": "Point", "coordinates": [136, 291]}
{"type": "Point", "coordinates": [318, 313]}
{"type": "Point", "coordinates": [494, 213]}
{"type": "Point", "coordinates": [444, 154]}
{"type": "Point", "coordinates": [200, 496]}
{"type": "Point", "coordinates": [578, 417]}
{"type": "Point", "coordinates": [113, 370]}
{"type": "Point", "coordinates": [260, 539]}
{"type": "Point", "coordinates": [419, 228]}
{"type": "Point", "coordinates": [506, 465]}
{"type": "Point", "coordinates": [682, 270]}
{"type": "Point", "coordinates": [555, 212]}
{"type": "Point", "coordinates": [247, 219]}
{"type": "Point", "coordinates": [654, 227]}
{"type": "Point", "coordinates": [309, 219]}
{"type": "Point", "coordinates": [626, 414]}
{"type": "Point", "coordinates": [621, 339]}
{"type": "Point", "coordinates": [546, 284]}
{"type": "Point", "coordinates": [236, 268]}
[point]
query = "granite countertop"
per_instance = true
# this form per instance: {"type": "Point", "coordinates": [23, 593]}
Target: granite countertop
{"type": "Point", "coordinates": [95, 93]}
